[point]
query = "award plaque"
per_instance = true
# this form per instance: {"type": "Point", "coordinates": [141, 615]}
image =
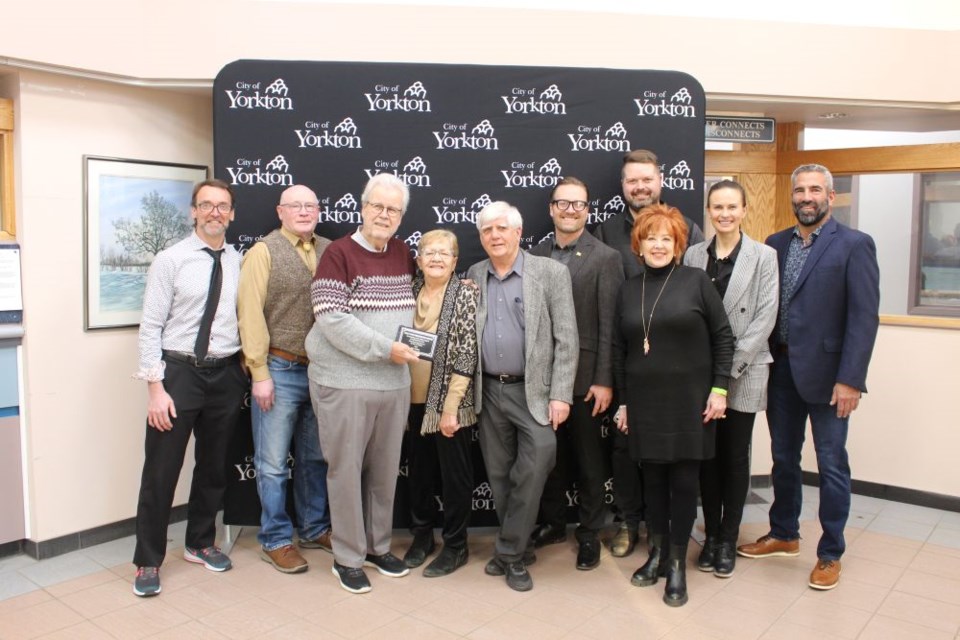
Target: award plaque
{"type": "Point", "coordinates": [422, 342]}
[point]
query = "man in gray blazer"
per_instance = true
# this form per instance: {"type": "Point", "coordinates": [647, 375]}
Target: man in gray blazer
{"type": "Point", "coordinates": [596, 274]}
{"type": "Point", "coordinates": [526, 329]}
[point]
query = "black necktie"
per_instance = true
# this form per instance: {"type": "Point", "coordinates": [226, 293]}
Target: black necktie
{"type": "Point", "coordinates": [213, 299]}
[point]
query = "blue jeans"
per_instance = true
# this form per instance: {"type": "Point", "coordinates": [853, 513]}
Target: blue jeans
{"type": "Point", "coordinates": [787, 416]}
{"type": "Point", "coordinates": [290, 418]}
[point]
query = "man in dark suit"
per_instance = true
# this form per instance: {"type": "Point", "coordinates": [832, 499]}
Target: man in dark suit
{"type": "Point", "coordinates": [596, 275]}
{"type": "Point", "coordinates": [524, 385]}
{"type": "Point", "coordinates": [826, 328]}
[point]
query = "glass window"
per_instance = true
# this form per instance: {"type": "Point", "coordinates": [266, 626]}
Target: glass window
{"type": "Point", "coordinates": [936, 264]}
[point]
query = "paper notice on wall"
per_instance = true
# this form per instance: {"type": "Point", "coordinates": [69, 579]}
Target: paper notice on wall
{"type": "Point", "coordinates": [11, 297]}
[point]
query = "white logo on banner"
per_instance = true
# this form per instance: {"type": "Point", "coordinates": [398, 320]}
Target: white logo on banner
{"type": "Point", "coordinates": [549, 102]}
{"type": "Point", "coordinates": [413, 174]}
{"type": "Point", "coordinates": [456, 211]}
{"type": "Point", "coordinates": [612, 207]}
{"type": "Point", "coordinates": [251, 173]}
{"type": "Point", "coordinates": [678, 178]}
{"type": "Point", "coordinates": [523, 175]}
{"type": "Point", "coordinates": [319, 135]}
{"type": "Point", "coordinates": [388, 98]}
{"type": "Point", "coordinates": [596, 138]}
{"type": "Point", "coordinates": [483, 498]}
{"type": "Point", "coordinates": [344, 211]}
{"type": "Point", "coordinates": [413, 241]}
{"type": "Point", "coordinates": [246, 95]}
{"type": "Point", "coordinates": [459, 136]}
{"type": "Point", "coordinates": [656, 103]}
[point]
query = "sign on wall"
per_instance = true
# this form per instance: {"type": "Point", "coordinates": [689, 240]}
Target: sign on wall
{"type": "Point", "coordinates": [460, 136]}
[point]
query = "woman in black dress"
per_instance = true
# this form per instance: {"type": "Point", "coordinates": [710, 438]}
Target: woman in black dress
{"type": "Point", "coordinates": [673, 350]}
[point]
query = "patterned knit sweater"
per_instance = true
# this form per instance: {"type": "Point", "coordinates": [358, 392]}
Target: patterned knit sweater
{"type": "Point", "coordinates": [360, 300]}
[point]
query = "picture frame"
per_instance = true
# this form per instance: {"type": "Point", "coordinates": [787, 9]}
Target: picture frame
{"type": "Point", "coordinates": [122, 199]}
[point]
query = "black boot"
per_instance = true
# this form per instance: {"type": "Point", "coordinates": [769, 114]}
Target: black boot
{"type": "Point", "coordinates": [654, 567]}
{"type": "Point", "coordinates": [708, 556]}
{"type": "Point", "coordinates": [675, 595]}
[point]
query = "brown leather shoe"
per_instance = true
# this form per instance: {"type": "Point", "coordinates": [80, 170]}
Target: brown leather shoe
{"type": "Point", "coordinates": [768, 546]}
{"type": "Point", "coordinates": [323, 541]}
{"type": "Point", "coordinates": [826, 575]}
{"type": "Point", "coordinates": [285, 559]}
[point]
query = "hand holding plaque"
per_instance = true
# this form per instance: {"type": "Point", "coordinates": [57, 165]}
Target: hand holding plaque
{"type": "Point", "coordinates": [423, 342]}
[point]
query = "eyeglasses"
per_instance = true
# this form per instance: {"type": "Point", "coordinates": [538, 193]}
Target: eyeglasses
{"type": "Point", "coordinates": [208, 207]}
{"type": "Point", "coordinates": [563, 205]}
{"type": "Point", "coordinates": [296, 207]}
{"type": "Point", "coordinates": [437, 253]}
{"type": "Point", "coordinates": [379, 208]}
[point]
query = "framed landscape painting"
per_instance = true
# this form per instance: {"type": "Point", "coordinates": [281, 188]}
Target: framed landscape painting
{"type": "Point", "coordinates": [133, 209]}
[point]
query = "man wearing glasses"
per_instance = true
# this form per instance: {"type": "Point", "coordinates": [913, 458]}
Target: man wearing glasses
{"type": "Point", "coordinates": [359, 379]}
{"type": "Point", "coordinates": [273, 305]}
{"type": "Point", "coordinates": [641, 179]}
{"type": "Point", "coordinates": [189, 358]}
{"type": "Point", "coordinates": [596, 275]}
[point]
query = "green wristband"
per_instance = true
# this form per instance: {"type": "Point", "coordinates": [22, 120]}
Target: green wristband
{"type": "Point", "coordinates": [719, 391]}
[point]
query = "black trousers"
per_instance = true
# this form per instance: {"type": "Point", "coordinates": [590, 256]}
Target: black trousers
{"type": "Point", "coordinates": [670, 489]}
{"type": "Point", "coordinates": [628, 489]}
{"type": "Point", "coordinates": [208, 403]}
{"type": "Point", "coordinates": [580, 455]}
{"type": "Point", "coordinates": [725, 480]}
{"type": "Point", "coordinates": [424, 454]}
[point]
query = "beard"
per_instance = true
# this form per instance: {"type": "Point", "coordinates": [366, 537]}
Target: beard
{"type": "Point", "coordinates": [810, 218]}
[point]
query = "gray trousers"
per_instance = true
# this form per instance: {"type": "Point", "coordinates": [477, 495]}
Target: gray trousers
{"type": "Point", "coordinates": [361, 432]}
{"type": "Point", "coordinates": [519, 453]}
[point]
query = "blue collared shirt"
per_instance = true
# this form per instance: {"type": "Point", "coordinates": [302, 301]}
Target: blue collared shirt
{"type": "Point", "coordinates": [797, 253]}
{"type": "Point", "coordinates": [503, 344]}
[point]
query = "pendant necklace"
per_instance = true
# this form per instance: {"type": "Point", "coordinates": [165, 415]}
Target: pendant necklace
{"type": "Point", "coordinates": [648, 325]}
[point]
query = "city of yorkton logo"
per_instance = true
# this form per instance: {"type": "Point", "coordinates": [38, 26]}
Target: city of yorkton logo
{"type": "Point", "coordinates": [248, 95]}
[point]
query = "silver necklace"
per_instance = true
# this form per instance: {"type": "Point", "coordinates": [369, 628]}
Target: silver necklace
{"type": "Point", "coordinates": [648, 325]}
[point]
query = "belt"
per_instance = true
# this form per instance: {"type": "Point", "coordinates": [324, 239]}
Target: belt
{"type": "Point", "coordinates": [503, 378]}
{"type": "Point", "coordinates": [206, 363]}
{"type": "Point", "coordinates": [289, 357]}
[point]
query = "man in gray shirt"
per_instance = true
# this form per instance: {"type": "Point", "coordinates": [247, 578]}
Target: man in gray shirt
{"type": "Point", "coordinates": [527, 333]}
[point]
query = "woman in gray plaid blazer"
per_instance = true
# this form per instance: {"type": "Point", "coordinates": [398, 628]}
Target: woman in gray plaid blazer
{"type": "Point", "coordinates": [746, 275]}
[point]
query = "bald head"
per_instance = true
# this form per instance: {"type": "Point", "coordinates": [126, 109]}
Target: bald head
{"type": "Point", "coordinates": [298, 210]}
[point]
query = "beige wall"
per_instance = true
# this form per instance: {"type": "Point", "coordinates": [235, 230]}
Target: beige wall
{"type": "Point", "coordinates": [180, 39]}
{"type": "Point", "coordinates": [84, 413]}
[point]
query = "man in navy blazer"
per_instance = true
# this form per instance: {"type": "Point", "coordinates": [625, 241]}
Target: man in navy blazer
{"type": "Point", "coordinates": [826, 328]}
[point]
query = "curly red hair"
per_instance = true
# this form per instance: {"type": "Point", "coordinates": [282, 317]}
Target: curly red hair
{"type": "Point", "coordinates": [654, 218]}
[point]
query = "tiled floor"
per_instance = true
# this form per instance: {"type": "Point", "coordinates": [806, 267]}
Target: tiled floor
{"type": "Point", "coordinates": [901, 579]}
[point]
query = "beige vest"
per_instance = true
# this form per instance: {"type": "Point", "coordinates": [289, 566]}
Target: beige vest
{"type": "Point", "coordinates": [288, 311]}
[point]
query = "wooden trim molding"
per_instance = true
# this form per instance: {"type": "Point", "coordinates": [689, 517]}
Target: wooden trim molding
{"type": "Point", "coordinates": [907, 159]}
{"type": "Point", "coordinates": [925, 322]}
{"type": "Point", "coordinates": [8, 217]}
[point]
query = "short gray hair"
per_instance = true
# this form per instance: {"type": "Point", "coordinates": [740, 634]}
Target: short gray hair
{"type": "Point", "coordinates": [386, 181]}
{"type": "Point", "coordinates": [812, 168]}
{"type": "Point", "coordinates": [496, 209]}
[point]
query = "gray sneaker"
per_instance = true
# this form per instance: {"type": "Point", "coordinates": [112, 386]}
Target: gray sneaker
{"type": "Point", "coordinates": [147, 582]}
{"type": "Point", "coordinates": [210, 557]}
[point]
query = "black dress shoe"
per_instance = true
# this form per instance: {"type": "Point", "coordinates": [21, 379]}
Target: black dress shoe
{"type": "Point", "coordinates": [446, 563]}
{"type": "Point", "coordinates": [548, 534]}
{"type": "Point", "coordinates": [708, 555]}
{"type": "Point", "coordinates": [725, 561]}
{"type": "Point", "coordinates": [588, 557]}
{"type": "Point", "coordinates": [518, 578]}
{"type": "Point", "coordinates": [423, 546]}
{"type": "Point", "coordinates": [497, 567]}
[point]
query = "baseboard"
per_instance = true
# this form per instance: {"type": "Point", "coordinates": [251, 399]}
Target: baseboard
{"type": "Point", "coordinates": [81, 539]}
{"type": "Point", "coordinates": [895, 494]}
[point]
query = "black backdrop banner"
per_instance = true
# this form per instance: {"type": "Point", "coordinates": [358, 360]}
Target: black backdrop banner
{"type": "Point", "coordinates": [460, 136]}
